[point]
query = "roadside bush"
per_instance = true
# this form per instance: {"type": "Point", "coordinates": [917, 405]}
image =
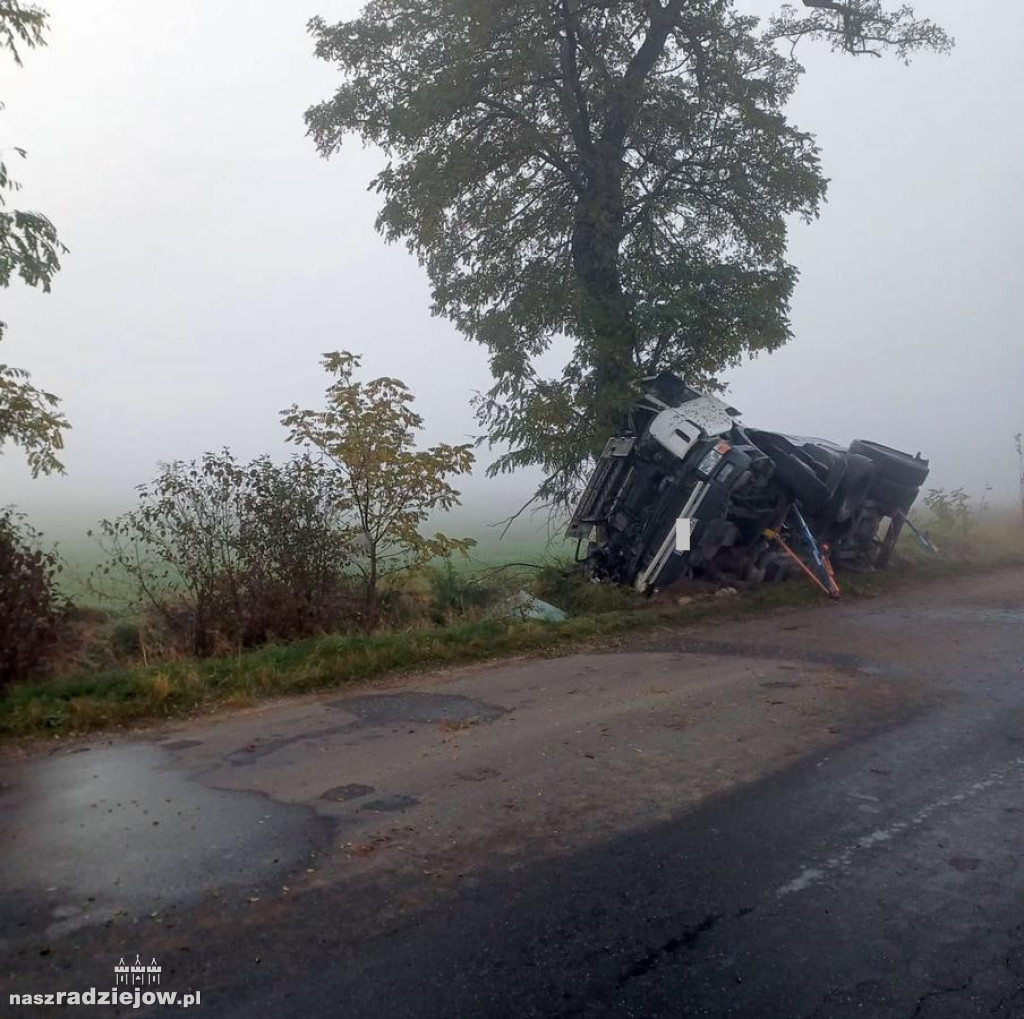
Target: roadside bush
{"type": "Point", "coordinates": [125, 640]}
{"type": "Point", "coordinates": [87, 643]}
{"type": "Point", "coordinates": [32, 610]}
{"type": "Point", "coordinates": [458, 594]}
{"type": "Point", "coordinates": [565, 585]}
{"type": "Point", "coordinates": [367, 432]}
{"type": "Point", "coordinates": [221, 555]}
{"type": "Point", "coordinates": [953, 521]}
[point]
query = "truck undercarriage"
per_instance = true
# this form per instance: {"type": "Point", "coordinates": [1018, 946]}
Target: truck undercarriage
{"type": "Point", "coordinates": [688, 491]}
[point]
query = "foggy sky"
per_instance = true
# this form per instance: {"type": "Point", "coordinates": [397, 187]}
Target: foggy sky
{"type": "Point", "coordinates": [214, 255]}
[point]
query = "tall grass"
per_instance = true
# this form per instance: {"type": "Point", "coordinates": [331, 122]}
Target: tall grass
{"type": "Point", "coordinates": [124, 696]}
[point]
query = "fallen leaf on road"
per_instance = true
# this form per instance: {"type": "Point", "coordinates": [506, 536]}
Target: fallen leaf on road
{"type": "Point", "coordinates": [458, 724]}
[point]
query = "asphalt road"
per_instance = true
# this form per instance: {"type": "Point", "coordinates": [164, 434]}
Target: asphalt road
{"type": "Point", "coordinates": [817, 814]}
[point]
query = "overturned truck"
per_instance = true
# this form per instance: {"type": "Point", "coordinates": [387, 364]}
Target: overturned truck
{"type": "Point", "coordinates": [688, 491]}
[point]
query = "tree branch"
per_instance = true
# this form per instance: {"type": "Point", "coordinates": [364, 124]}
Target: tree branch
{"type": "Point", "coordinates": [574, 100]}
{"type": "Point", "coordinates": [552, 156]}
{"type": "Point", "coordinates": [623, 112]}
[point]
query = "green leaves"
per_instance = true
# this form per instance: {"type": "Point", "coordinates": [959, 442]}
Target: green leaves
{"type": "Point", "coordinates": [367, 431]}
{"type": "Point", "coordinates": [220, 554]}
{"type": "Point", "coordinates": [223, 552]}
{"type": "Point", "coordinates": [21, 25]}
{"type": "Point", "coordinates": [861, 27]}
{"type": "Point", "coordinates": [31, 607]}
{"type": "Point", "coordinates": [29, 247]}
{"type": "Point", "coordinates": [31, 419]}
{"type": "Point", "coordinates": [621, 174]}
{"type": "Point", "coordinates": [29, 250]}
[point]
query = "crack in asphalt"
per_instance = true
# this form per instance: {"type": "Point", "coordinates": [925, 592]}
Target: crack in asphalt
{"type": "Point", "coordinates": [650, 960]}
{"type": "Point", "coordinates": [941, 992]}
{"type": "Point", "coordinates": [687, 939]}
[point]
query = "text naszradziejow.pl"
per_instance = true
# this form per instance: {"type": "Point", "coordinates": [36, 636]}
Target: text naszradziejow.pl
{"type": "Point", "coordinates": [136, 998]}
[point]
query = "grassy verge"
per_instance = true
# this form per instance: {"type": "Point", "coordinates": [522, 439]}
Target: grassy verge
{"type": "Point", "coordinates": [107, 699]}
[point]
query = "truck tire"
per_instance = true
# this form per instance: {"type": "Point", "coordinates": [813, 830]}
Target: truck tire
{"type": "Point", "coordinates": [893, 496]}
{"type": "Point", "coordinates": [893, 465]}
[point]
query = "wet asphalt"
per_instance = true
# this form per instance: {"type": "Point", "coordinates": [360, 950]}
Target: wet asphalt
{"type": "Point", "coordinates": [878, 876]}
{"type": "Point", "coordinates": [117, 831]}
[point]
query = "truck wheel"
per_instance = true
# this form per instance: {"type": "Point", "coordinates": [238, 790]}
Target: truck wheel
{"type": "Point", "coordinates": [893, 465]}
{"type": "Point", "coordinates": [893, 496]}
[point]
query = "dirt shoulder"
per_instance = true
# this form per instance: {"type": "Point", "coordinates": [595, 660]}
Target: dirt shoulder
{"type": "Point", "coordinates": [111, 701]}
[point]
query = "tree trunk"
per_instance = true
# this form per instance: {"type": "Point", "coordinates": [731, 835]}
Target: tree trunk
{"type": "Point", "coordinates": [371, 605]}
{"type": "Point", "coordinates": [605, 311]}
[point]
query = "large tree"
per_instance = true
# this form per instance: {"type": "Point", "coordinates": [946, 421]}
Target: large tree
{"type": "Point", "coordinates": [617, 172]}
{"type": "Point", "coordinates": [29, 250]}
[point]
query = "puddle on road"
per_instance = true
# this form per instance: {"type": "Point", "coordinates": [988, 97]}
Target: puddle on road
{"type": "Point", "coordinates": [86, 835]}
{"type": "Point", "coordinates": [344, 793]}
{"type": "Point", "coordinates": [377, 710]}
{"type": "Point", "coordinates": [384, 709]}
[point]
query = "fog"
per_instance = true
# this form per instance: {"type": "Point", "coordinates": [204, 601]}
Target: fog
{"type": "Point", "coordinates": [214, 256]}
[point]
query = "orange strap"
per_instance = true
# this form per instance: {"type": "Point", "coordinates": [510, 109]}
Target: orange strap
{"type": "Point", "coordinates": [810, 573]}
{"type": "Point", "coordinates": [825, 555]}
